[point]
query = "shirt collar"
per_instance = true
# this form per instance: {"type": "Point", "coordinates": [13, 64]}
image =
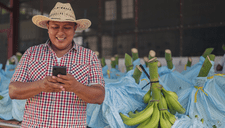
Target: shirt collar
{"type": "Point", "coordinates": [47, 44]}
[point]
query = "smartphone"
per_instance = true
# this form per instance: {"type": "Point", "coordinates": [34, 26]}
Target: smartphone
{"type": "Point", "coordinates": [59, 70]}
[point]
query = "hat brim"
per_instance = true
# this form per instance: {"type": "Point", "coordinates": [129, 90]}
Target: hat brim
{"type": "Point", "coordinates": [41, 21]}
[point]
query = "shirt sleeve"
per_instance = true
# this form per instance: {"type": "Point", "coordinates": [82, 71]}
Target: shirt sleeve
{"type": "Point", "coordinates": [95, 76]}
{"type": "Point", "coordinates": [20, 73]}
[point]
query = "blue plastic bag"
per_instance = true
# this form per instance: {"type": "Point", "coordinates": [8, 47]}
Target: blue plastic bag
{"type": "Point", "coordinates": [122, 96]}
{"type": "Point", "coordinates": [206, 100]}
{"type": "Point", "coordinates": [193, 71]}
{"type": "Point", "coordinates": [5, 106]}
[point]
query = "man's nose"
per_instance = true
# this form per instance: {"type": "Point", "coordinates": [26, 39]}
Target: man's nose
{"type": "Point", "coordinates": [61, 31]}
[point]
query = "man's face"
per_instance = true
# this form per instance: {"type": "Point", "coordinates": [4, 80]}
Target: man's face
{"type": "Point", "coordinates": [61, 34]}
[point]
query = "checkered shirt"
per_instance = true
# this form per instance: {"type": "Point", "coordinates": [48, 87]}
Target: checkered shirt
{"type": "Point", "coordinates": [57, 109]}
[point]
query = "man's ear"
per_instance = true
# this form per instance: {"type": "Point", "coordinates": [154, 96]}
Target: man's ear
{"type": "Point", "coordinates": [47, 24]}
{"type": "Point", "coordinates": [75, 27]}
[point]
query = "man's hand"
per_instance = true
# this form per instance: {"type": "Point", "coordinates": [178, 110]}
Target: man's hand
{"type": "Point", "coordinates": [48, 84]}
{"type": "Point", "coordinates": [67, 81]}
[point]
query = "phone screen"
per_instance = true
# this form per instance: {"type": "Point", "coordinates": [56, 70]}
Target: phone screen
{"type": "Point", "coordinates": [59, 70]}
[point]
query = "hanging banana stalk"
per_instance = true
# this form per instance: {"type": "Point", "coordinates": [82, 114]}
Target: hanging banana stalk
{"type": "Point", "coordinates": [113, 62]}
{"type": "Point", "coordinates": [12, 60]}
{"type": "Point", "coordinates": [189, 62]}
{"type": "Point", "coordinates": [150, 110]}
{"type": "Point", "coordinates": [128, 62]}
{"type": "Point", "coordinates": [212, 57]}
{"type": "Point", "coordinates": [206, 66]}
{"type": "Point", "coordinates": [151, 54]}
{"type": "Point", "coordinates": [103, 61]}
{"type": "Point", "coordinates": [157, 98]}
{"type": "Point", "coordinates": [137, 73]}
{"type": "Point", "coordinates": [207, 52]}
{"type": "Point", "coordinates": [134, 52]}
{"type": "Point", "coordinates": [146, 61]}
{"type": "Point", "coordinates": [168, 57]}
{"type": "Point", "coordinates": [18, 55]}
{"type": "Point", "coordinates": [223, 47]}
{"type": "Point", "coordinates": [117, 59]}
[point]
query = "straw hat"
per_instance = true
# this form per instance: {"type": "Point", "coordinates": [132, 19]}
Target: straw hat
{"type": "Point", "coordinates": [62, 12]}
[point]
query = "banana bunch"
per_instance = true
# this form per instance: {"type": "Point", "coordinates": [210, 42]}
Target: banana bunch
{"type": "Point", "coordinates": [161, 105]}
{"type": "Point", "coordinates": [156, 112]}
{"type": "Point", "coordinates": [149, 117]}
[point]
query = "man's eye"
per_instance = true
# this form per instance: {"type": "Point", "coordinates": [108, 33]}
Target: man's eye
{"type": "Point", "coordinates": [67, 27]}
{"type": "Point", "coordinates": [55, 27]}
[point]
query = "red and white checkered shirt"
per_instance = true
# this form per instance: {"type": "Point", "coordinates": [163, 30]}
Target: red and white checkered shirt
{"type": "Point", "coordinates": [57, 109]}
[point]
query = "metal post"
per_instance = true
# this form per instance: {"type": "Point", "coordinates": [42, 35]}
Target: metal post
{"type": "Point", "coordinates": [136, 24]}
{"type": "Point", "coordinates": [100, 28]}
{"type": "Point", "coordinates": [14, 27]}
{"type": "Point", "coordinates": [181, 28]}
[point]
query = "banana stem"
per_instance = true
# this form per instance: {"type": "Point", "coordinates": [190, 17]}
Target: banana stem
{"type": "Point", "coordinates": [212, 57]}
{"type": "Point", "coordinates": [206, 66]}
{"type": "Point", "coordinates": [155, 87]}
{"type": "Point", "coordinates": [113, 62]}
{"type": "Point", "coordinates": [128, 62]}
{"type": "Point", "coordinates": [189, 62]}
{"type": "Point", "coordinates": [11, 60]}
{"type": "Point", "coordinates": [223, 47]}
{"type": "Point", "coordinates": [168, 57]}
{"type": "Point", "coordinates": [117, 59]}
{"type": "Point", "coordinates": [146, 61]}
{"type": "Point", "coordinates": [137, 74]}
{"type": "Point", "coordinates": [18, 56]}
{"type": "Point", "coordinates": [134, 54]}
{"type": "Point", "coordinates": [159, 64]}
{"type": "Point", "coordinates": [103, 61]}
{"type": "Point", "coordinates": [151, 54]}
{"type": "Point", "coordinates": [207, 52]}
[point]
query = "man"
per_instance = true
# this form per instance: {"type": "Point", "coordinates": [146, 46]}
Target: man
{"type": "Point", "coordinates": [58, 101]}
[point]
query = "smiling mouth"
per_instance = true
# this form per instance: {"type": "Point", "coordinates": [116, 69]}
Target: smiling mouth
{"type": "Point", "coordinates": [60, 39]}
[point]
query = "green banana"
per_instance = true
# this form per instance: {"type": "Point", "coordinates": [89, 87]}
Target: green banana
{"type": "Point", "coordinates": [155, 117]}
{"type": "Point", "coordinates": [162, 121]}
{"type": "Point", "coordinates": [132, 115]}
{"type": "Point", "coordinates": [138, 119]}
{"type": "Point", "coordinates": [163, 105]}
{"type": "Point", "coordinates": [173, 94]}
{"type": "Point", "coordinates": [141, 125]}
{"type": "Point", "coordinates": [167, 120]}
{"type": "Point", "coordinates": [174, 104]}
{"type": "Point", "coordinates": [147, 96]}
{"type": "Point", "coordinates": [172, 111]}
{"type": "Point", "coordinates": [156, 126]}
{"type": "Point", "coordinates": [170, 117]}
